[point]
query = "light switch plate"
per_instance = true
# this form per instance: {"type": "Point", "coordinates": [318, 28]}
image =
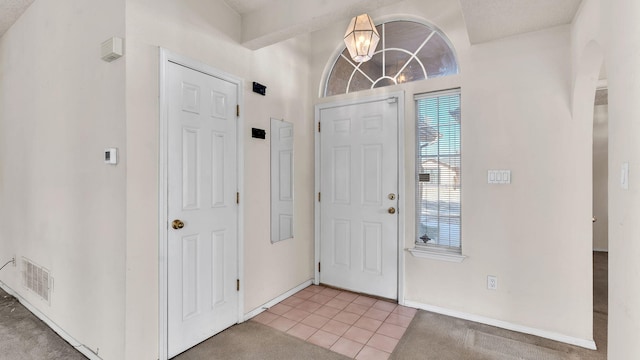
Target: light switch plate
{"type": "Point", "coordinates": [499, 176]}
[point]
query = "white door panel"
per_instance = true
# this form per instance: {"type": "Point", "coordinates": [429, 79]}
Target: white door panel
{"type": "Point", "coordinates": [202, 255]}
{"type": "Point", "coordinates": [358, 171]}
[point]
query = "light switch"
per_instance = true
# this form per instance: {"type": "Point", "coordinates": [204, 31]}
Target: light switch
{"type": "Point", "coordinates": [624, 176]}
{"type": "Point", "coordinates": [491, 177]}
{"type": "Point", "coordinates": [506, 176]}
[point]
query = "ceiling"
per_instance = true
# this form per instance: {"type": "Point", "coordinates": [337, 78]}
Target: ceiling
{"type": "Point", "coordinates": [486, 20]}
{"type": "Point", "coordinates": [10, 11]}
{"type": "Point", "coordinates": [494, 19]}
{"type": "Point", "coordinates": [246, 6]}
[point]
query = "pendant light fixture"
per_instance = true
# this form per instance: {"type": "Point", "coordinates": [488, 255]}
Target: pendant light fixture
{"type": "Point", "coordinates": [361, 38]}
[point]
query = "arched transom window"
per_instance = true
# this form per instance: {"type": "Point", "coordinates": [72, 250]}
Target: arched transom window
{"type": "Point", "coordinates": [407, 51]}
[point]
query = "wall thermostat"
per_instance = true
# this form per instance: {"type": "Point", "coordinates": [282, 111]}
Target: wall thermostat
{"type": "Point", "coordinates": [111, 156]}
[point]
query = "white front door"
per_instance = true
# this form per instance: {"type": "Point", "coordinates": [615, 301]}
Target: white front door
{"type": "Point", "coordinates": [359, 197]}
{"type": "Point", "coordinates": [202, 211]}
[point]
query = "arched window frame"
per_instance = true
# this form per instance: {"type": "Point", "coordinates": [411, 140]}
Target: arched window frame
{"type": "Point", "coordinates": [382, 48]}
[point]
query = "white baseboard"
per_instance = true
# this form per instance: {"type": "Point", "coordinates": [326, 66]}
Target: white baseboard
{"type": "Point", "coordinates": [589, 344]}
{"type": "Point", "coordinates": [601, 250]}
{"type": "Point", "coordinates": [276, 300]}
{"type": "Point", "coordinates": [63, 334]}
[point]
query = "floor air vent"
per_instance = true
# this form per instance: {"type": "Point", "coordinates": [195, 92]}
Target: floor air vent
{"type": "Point", "coordinates": [36, 279]}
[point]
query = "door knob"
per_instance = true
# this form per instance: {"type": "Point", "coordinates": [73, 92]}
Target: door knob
{"type": "Point", "coordinates": [177, 224]}
{"type": "Point", "coordinates": [594, 219]}
{"type": "Point", "coordinates": [392, 210]}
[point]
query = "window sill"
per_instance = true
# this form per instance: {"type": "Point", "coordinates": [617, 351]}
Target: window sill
{"type": "Point", "coordinates": [436, 254]}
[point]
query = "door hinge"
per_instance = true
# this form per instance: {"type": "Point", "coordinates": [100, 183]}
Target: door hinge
{"type": "Point", "coordinates": [237, 198]}
{"type": "Point", "coordinates": [318, 266]}
{"type": "Point", "coordinates": [318, 197]}
{"type": "Point", "coordinates": [237, 284]}
{"type": "Point", "coordinates": [238, 110]}
{"type": "Point", "coordinates": [318, 126]}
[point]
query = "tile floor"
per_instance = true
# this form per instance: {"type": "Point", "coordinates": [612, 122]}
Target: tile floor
{"type": "Point", "coordinates": [356, 326]}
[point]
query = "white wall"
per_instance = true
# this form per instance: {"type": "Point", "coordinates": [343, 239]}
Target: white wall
{"type": "Point", "coordinates": [622, 60]}
{"type": "Point", "coordinates": [516, 115]}
{"type": "Point", "coordinates": [587, 54]}
{"type": "Point", "coordinates": [270, 268]}
{"type": "Point", "coordinates": [601, 177]}
{"type": "Point", "coordinates": [60, 205]}
{"type": "Point", "coordinates": [516, 105]}
{"type": "Point", "coordinates": [587, 26]}
{"type": "Point", "coordinates": [209, 32]}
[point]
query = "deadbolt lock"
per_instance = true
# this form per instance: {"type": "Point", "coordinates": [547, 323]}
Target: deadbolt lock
{"type": "Point", "coordinates": [177, 224]}
{"type": "Point", "coordinates": [392, 196]}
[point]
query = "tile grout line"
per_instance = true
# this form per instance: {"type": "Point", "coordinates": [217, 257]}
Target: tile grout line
{"type": "Point", "coordinates": [284, 308]}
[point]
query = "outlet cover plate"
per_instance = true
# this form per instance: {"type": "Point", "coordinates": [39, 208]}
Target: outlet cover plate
{"type": "Point", "coordinates": [492, 282]}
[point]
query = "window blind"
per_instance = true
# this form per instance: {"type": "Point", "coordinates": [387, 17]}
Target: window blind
{"type": "Point", "coordinates": [438, 170]}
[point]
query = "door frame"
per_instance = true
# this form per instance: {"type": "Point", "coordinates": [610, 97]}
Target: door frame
{"type": "Point", "coordinates": [399, 95]}
{"type": "Point", "coordinates": [167, 57]}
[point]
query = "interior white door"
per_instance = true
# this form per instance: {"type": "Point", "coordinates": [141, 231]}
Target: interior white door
{"type": "Point", "coordinates": [359, 197]}
{"type": "Point", "coordinates": [202, 210]}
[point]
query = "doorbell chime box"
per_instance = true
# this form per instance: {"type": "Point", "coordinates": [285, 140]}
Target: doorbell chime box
{"type": "Point", "coordinates": [112, 49]}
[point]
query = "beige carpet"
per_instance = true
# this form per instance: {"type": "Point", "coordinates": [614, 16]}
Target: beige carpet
{"type": "Point", "coordinates": [25, 337]}
{"type": "Point", "coordinates": [437, 337]}
{"type": "Point", "coordinates": [251, 340]}
{"type": "Point", "coordinates": [499, 347]}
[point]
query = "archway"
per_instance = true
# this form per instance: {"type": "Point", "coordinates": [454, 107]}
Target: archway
{"type": "Point", "coordinates": [586, 83]}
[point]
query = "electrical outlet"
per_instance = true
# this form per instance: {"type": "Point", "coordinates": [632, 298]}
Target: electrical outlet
{"type": "Point", "coordinates": [492, 282]}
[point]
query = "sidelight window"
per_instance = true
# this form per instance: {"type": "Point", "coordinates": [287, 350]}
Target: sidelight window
{"type": "Point", "coordinates": [438, 171]}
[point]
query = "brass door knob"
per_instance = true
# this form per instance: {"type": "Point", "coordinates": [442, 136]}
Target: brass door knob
{"type": "Point", "coordinates": [177, 224]}
{"type": "Point", "coordinates": [392, 210]}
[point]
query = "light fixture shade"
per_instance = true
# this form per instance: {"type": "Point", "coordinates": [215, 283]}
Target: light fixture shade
{"type": "Point", "coordinates": [361, 38]}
